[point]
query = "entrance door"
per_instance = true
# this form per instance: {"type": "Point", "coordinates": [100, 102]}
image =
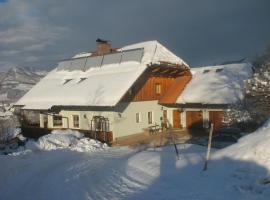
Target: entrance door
{"type": "Point", "coordinates": [176, 119]}
{"type": "Point", "coordinates": [194, 119]}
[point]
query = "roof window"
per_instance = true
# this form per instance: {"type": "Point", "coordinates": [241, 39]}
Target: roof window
{"type": "Point", "coordinates": [219, 70]}
{"type": "Point", "coordinates": [66, 81]}
{"type": "Point", "coordinates": [81, 80]}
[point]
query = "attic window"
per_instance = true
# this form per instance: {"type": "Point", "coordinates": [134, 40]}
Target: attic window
{"type": "Point", "coordinates": [219, 70]}
{"type": "Point", "coordinates": [66, 81]}
{"type": "Point", "coordinates": [158, 88]}
{"type": "Point", "coordinates": [81, 80]}
{"type": "Point", "coordinates": [206, 71]}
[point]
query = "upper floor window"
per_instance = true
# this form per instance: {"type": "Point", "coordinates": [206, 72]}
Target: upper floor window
{"type": "Point", "coordinates": [57, 120]}
{"type": "Point", "coordinates": [158, 88]}
{"type": "Point", "coordinates": [76, 123]}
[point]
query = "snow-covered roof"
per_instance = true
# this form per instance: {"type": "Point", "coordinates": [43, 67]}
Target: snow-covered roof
{"type": "Point", "coordinates": [222, 84]}
{"type": "Point", "coordinates": [82, 54]}
{"type": "Point", "coordinates": [88, 82]}
{"type": "Point", "coordinates": [154, 52]}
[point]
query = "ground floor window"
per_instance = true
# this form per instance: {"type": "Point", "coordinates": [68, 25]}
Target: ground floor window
{"type": "Point", "coordinates": [138, 117]}
{"type": "Point", "coordinates": [76, 123]}
{"type": "Point", "coordinates": [57, 120]}
{"type": "Point", "coordinates": [150, 117]}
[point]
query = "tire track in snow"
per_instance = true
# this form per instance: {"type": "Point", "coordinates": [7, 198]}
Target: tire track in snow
{"type": "Point", "coordinates": [63, 174]}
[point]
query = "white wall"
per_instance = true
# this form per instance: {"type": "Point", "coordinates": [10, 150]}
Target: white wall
{"type": "Point", "coordinates": [84, 119]}
{"type": "Point", "coordinates": [122, 120]}
{"type": "Point", "coordinates": [125, 117]}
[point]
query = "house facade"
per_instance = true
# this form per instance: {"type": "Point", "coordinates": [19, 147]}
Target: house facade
{"type": "Point", "coordinates": [116, 92]}
{"type": "Point", "coordinates": [210, 92]}
{"type": "Point", "coordinates": [109, 92]}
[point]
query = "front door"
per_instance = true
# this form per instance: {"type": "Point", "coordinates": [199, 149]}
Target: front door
{"type": "Point", "coordinates": [176, 119]}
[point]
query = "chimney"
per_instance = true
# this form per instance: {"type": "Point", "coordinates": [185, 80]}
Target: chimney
{"type": "Point", "coordinates": [103, 47]}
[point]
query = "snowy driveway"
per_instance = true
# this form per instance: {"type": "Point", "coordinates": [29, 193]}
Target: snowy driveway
{"type": "Point", "coordinates": [123, 173]}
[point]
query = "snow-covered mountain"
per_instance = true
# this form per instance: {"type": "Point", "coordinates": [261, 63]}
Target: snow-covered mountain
{"type": "Point", "coordinates": [15, 82]}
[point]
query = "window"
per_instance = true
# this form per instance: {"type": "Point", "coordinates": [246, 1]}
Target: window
{"type": "Point", "coordinates": [219, 70]}
{"type": "Point", "coordinates": [81, 80]}
{"type": "Point", "coordinates": [57, 120]}
{"type": "Point", "coordinates": [138, 117]}
{"type": "Point", "coordinates": [150, 117]}
{"type": "Point", "coordinates": [66, 81]}
{"type": "Point", "coordinates": [158, 88]}
{"type": "Point", "coordinates": [76, 123]}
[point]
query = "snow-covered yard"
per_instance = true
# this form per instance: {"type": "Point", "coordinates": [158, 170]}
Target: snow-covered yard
{"type": "Point", "coordinates": [62, 171]}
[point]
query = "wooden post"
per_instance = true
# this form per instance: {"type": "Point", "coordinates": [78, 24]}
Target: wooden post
{"type": "Point", "coordinates": [208, 147]}
{"type": "Point", "coordinates": [172, 139]}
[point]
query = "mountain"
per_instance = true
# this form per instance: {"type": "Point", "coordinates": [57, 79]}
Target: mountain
{"type": "Point", "coordinates": [15, 82]}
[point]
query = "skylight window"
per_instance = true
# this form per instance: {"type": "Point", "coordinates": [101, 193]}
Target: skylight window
{"type": "Point", "coordinates": [81, 80]}
{"type": "Point", "coordinates": [206, 71]}
{"type": "Point", "coordinates": [219, 70]}
{"type": "Point", "coordinates": [66, 81]}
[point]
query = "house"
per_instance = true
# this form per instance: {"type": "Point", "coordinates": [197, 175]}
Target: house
{"type": "Point", "coordinates": [111, 93]}
{"type": "Point", "coordinates": [210, 92]}
{"type": "Point", "coordinates": [108, 93]}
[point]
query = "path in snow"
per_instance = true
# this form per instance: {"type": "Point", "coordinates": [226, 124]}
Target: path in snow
{"type": "Point", "coordinates": [122, 173]}
{"type": "Point", "coordinates": [64, 174]}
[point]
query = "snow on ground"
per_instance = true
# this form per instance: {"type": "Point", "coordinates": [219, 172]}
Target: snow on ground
{"type": "Point", "coordinates": [253, 147]}
{"type": "Point", "coordinates": [237, 172]}
{"type": "Point", "coordinates": [65, 139]}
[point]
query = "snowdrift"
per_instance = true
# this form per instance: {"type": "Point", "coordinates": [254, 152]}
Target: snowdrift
{"type": "Point", "coordinates": [65, 139]}
{"type": "Point", "coordinates": [253, 147]}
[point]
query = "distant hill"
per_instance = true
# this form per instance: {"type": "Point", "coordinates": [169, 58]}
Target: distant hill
{"type": "Point", "coordinates": [15, 82]}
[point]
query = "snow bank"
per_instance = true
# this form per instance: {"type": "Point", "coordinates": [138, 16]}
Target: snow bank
{"type": "Point", "coordinates": [253, 147]}
{"type": "Point", "coordinates": [66, 139]}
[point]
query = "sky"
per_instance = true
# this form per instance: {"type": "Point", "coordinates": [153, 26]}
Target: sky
{"type": "Point", "coordinates": [38, 33]}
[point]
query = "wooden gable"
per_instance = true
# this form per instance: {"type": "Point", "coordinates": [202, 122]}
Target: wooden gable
{"type": "Point", "coordinates": [155, 83]}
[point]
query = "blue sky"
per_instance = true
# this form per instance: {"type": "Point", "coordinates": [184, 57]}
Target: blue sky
{"type": "Point", "coordinates": [38, 33]}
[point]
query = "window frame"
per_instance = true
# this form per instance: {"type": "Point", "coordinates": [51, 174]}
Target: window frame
{"type": "Point", "coordinates": [158, 88]}
{"type": "Point", "coordinates": [150, 117]}
{"type": "Point", "coordinates": [77, 124]}
{"type": "Point", "coordinates": [56, 122]}
{"type": "Point", "coordinates": [138, 117]}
